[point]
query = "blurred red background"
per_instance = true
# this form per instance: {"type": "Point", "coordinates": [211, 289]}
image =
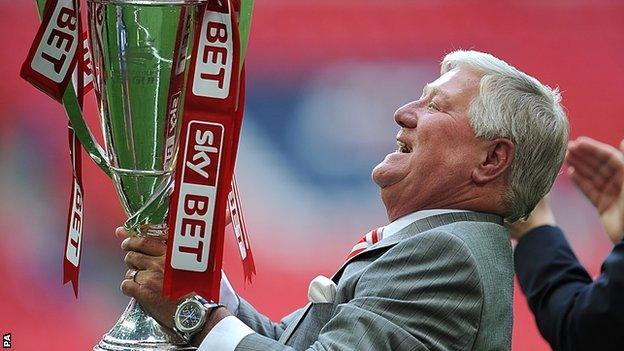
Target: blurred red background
{"type": "Point", "coordinates": [324, 79]}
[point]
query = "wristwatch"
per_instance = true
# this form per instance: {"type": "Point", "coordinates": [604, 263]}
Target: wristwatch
{"type": "Point", "coordinates": [191, 315]}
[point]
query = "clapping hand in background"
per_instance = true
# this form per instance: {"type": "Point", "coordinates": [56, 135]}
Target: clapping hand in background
{"type": "Point", "coordinates": [598, 170]}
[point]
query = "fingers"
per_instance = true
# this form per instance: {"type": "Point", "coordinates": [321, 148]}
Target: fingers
{"type": "Point", "coordinates": [589, 151]}
{"type": "Point", "coordinates": [585, 183]}
{"type": "Point", "coordinates": [596, 163]}
{"type": "Point", "coordinates": [139, 261]}
{"type": "Point", "coordinates": [147, 290]}
{"type": "Point", "coordinates": [587, 158]}
{"type": "Point", "coordinates": [144, 293]}
{"type": "Point", "coordinates": [130, 274]}
{"type": "Point", "coordinates": [145, 245]}
{"type": "Point", "coordinates": [144, 280]}
{"type": "Point", "coordinates": [592, 149]}
{"type": "Point", "coordinates": [143, 277]}
{"type": "Point", "coordinates": [130, 288]}
{"type": "Point", "coordinates": [121, 233]}
{"type": "Point", "coordinates": [145, 286]}
{"type": "Point", "coordinates": [585, 169]}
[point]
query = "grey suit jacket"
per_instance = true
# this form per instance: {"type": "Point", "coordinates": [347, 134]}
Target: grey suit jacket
{"type": "Point", "coordinates": [445, 282]}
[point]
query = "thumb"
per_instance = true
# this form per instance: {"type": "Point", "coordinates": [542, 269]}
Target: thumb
{"type": "Point", "coordinates": [622, 145]}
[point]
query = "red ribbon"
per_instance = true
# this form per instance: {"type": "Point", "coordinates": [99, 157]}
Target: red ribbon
{"type": "Point", "coordinates": [210, 125]}
{"type": "Point", "coordinates": [240, 231]}
{"type": "Point", "coordinates": [52, 55]}
{"type": "Point", "coordinates": [49, 66]}
{"type": "Point", "coordinates": [73, 236]}
{"type": "Point", "coordinates": [209, 137]}
{"type": "Point", "coordinates": [83, 83]}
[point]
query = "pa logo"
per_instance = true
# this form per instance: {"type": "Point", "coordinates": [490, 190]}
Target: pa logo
{"type": "Point", "coordinates": [6, 341]}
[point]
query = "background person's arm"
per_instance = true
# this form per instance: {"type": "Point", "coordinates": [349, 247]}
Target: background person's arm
{"type": "Point", "coordinates": [572, 311]}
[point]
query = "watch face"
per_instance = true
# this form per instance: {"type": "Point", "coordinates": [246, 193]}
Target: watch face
{"type": "Point", "coordinates": [189, 316]}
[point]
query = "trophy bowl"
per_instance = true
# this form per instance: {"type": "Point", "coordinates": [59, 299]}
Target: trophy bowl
{"type": "Point", "coordinates": [140, 53]}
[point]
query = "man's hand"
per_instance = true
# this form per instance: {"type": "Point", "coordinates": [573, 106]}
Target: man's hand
{"type": "Point", "coordinates": [598, 170]}
{"type": "Point", "coordinates": [146, 256]}
{"type": "Point", "coordinates": [144, 281]}
{"type": "Point", "coordinates": [541, 215]}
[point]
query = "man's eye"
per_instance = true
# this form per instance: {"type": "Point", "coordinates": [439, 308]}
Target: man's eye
{"type": "Point", "coordinates": [432, 107]}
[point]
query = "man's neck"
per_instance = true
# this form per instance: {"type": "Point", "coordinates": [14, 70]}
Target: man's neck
{"type": "Point", "coordinates": [468, 201]}
{"type": "Point", "coordinates": [404, 221]}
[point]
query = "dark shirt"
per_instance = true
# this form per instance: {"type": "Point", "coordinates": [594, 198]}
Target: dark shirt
{"type": "Point", "coordinates": [573, 312]}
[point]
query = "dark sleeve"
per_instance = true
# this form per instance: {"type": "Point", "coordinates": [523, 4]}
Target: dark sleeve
{"type": "Point", "coordinates": [572, 311]}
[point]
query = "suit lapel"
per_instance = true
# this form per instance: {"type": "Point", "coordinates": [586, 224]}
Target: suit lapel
{"type": "Point", "coordinates": [294, 324]}
{"type": "Point", "coordinates": [415, 228]}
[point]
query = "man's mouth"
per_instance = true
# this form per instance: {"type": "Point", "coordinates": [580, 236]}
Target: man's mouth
{"type": "Point", "coordinates": [403, 147]}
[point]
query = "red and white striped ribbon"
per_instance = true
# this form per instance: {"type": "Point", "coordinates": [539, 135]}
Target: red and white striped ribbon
{"type": "Point", "coordinates": [369, 239]}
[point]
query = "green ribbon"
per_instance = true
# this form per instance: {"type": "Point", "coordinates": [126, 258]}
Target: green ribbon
{"type": "Point", "coordinates": [74, 113]}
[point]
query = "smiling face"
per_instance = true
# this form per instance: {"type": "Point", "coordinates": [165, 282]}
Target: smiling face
{"type": "Point", "coordinates": [437, 148]}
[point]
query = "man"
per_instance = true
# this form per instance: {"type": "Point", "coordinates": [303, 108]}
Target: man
{"type": "Point", "coordinates": [574, 312]}
{"type": "Point", "coordinates": [484, 142]}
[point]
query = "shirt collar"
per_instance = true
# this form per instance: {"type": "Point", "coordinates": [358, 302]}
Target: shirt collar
{"type": "Point", "coordinates": [408, 219]}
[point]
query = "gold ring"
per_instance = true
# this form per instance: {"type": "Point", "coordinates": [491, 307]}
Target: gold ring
{"type": "Point", "coordinates": [134, 274]}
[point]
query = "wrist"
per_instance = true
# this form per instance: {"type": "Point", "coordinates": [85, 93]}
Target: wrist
{"type": "Point", "coordinates": [616, 238]}
{"type": "Point", "coordinates": [213, 318]}
{"type": "Point", "coordinates": [192, 315]}
{"type": "Point", "coordinates": [539, 231]}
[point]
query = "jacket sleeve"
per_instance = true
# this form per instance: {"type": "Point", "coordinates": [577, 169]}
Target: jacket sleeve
{"type": "Point", "coordinates": [423, 294]}
{"type": "Point", "coordinates": [260, 323]}
{"type": "Point", "coordinates": [572, 311]}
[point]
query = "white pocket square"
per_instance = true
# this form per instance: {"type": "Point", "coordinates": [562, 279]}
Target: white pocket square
{"type": "Point", "coordinates": [322, 290]}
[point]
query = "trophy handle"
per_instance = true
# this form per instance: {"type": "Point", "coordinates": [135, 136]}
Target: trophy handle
{"type": "Point", "coordinates": [153, 204]}
{"type": "Point", "coordinates": [82, 131]}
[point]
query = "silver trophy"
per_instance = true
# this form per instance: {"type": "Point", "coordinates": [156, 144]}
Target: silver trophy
{"type": "Point", "coordinates": [140, 52]}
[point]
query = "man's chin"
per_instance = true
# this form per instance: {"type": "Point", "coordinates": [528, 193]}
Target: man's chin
{"type": "Point", "coordinates": [382, 176]}
{"type": "Point", "coordinates": [391, 170]}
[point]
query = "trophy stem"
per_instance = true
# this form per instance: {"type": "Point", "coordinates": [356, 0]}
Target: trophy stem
{"type": "Point", "coordinates": [137, 331]}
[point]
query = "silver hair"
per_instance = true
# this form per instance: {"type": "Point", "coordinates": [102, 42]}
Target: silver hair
{"type": "Point", "coordinates": [514, 105]}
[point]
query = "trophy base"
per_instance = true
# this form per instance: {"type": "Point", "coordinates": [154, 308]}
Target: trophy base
{"type": "Point", "coordinates": [137, 331]}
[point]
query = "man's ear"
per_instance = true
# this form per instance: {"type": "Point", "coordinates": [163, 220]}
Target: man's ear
{"type": "Point", "coordinates": [498, 158]}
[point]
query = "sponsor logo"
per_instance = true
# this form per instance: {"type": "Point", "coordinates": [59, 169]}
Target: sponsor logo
{"type": "Point", "coordinates": [215, 55]}
{"type": "Point", "coordinates": [72, 251]}
{"type": "Point", "coordinates": [184, 44]}
{"type": "Point", "coordinates": [86, 66]}
{"type": "Point", "coordinates": [56, 50]}
{"type": "Point", "coordinates": [196, 201]}
{"type": "Point", "coordinates": [172, 122]}
{"type": "Point", "coordinates": [237, 225]}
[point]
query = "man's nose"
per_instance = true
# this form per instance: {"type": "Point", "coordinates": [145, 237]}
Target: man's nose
{"type": "Point", "coordinates": [406, 116]}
